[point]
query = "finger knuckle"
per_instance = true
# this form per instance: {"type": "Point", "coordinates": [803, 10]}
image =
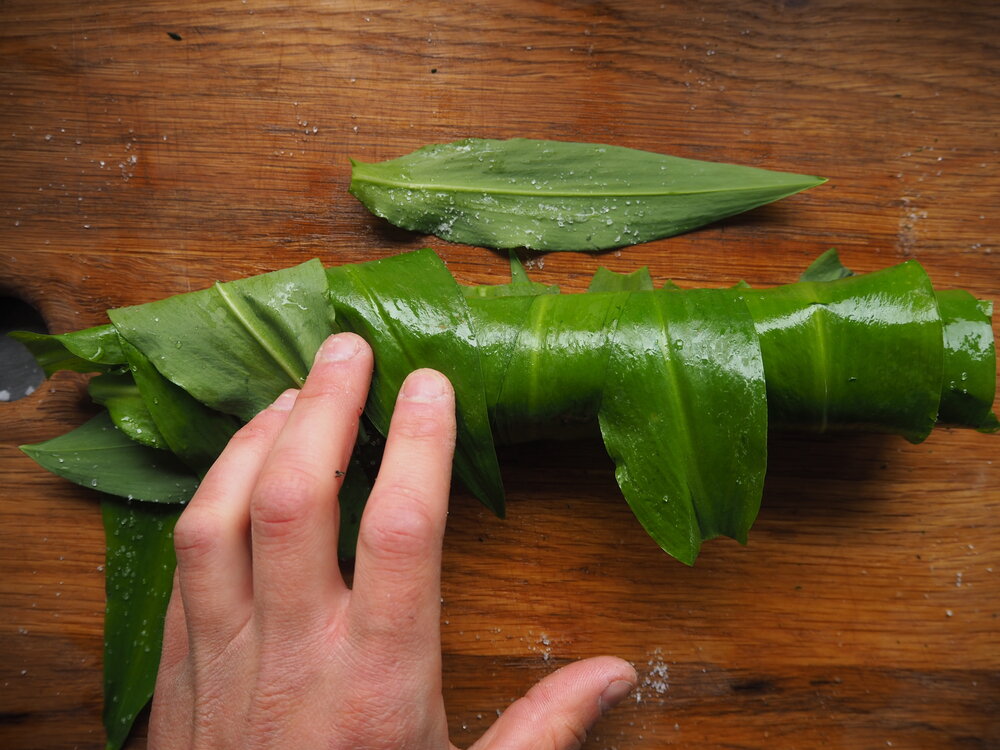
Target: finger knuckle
{"type": "Point", "coordinates": [568, 735]}
{"type": "Point", "coordinates": [196, 533]}
{"type": "Point", "coordinates": [401, 535]}
{"type": "Point", "coordinates": [257, 429]}
{"type": "Point", "coordinates": [283, 500]}
{"type": "Point", "coordinates": [326, 395]}
{"type": "Point", "coordinates": [422, 421]}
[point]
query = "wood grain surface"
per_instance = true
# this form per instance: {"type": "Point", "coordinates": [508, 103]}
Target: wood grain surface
{"type": "Point", "coordinates": [152, 148]}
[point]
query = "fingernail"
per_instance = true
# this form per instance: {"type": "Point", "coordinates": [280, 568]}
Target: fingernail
{"type": "Point", "coordinates": [339, 348]}
{"type": "Point", "coordinates": [286, 400]}
{"type": "Point", "coordinates": [425, 385]}
{"type": "Point", "coordinates": [614, 693]}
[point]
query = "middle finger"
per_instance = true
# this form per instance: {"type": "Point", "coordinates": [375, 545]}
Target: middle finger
{"type": "Point", "coordinates": [294, 513]}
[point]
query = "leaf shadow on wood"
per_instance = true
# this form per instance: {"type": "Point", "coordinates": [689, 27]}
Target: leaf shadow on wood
{"type": "Point", "coordinates": [811, 480]}
{"type": "Point", "coordinates": [825, 477]}
{"type": "Point", "coordinates": [565, 508]}
{"type": "Point", "coordinates": [566, 517]}
{"type": "Point", "coordinates": [390, 236]}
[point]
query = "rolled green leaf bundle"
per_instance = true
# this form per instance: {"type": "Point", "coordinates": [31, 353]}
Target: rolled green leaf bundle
{"type": "Point", "coordinates": [680, 385]}
{"type": "Point", "coordinates": [859, 353]}
{"type": "Point", "coordinates": [880, 352]}
{"type": "Point", "coordinates": [555, 195]}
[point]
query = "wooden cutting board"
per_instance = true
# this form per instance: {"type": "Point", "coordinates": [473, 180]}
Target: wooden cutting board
{"type": "Point", "coordinates": [152, 148]}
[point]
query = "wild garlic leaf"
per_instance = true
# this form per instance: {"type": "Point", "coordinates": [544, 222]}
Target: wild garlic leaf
{"type": "Point", "coordinates": [684, 417]}
{"type": "Point", "coordinates": [827, 267]}
{"type": "Point", "coordinates": [100, 456]}
{"type": "Point", "coordinates": [192, 431]}
{"type": "Point", "coordinates": [411, 311]}
{"type": "Point", "coordinates": [969, 377]}
{"type": "Point", "coordinates": [138, 571]}
{"type": "Point", "coordinates": [90, 350]}
{"type": "Point", "coordinates": [606, 280]}
{"type": "Point", "coordinates": [520, 285]}
{"type": "Point", "coordinates": [235, 346]}
{"type": "Point", "coordinates": [556, 369]}
{"type": "Point", "coordinates": [557, 195]}
{"type": "Point", "coordinates": [118, 393]}
{"type": "Point", "coordinates": [858, 353]}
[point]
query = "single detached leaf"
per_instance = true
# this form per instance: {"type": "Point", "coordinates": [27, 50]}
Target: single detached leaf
{"type": "Point", "coordinates": [236, 346]}
{"type": "Point", "coordinates": [555, 195]}
{"type": "Point", "coordinates": [139, 572]}
{"type": "Point", "coordinates": [98, 455]}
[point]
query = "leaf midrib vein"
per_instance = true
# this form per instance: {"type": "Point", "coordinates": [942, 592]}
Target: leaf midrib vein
{"type": "Point", "coordinates": [261, 341]}
{"type": "Point", "coordinates": [693, 476]}
{"type": "Point", "coordinates": [423, 186]}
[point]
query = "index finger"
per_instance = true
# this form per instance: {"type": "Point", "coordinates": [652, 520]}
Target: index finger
{"type": "Point", "coordinates": [397, 581]}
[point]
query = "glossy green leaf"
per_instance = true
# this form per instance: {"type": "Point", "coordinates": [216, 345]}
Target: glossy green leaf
{"type": "Point", "coordinates": [99, 456]}
{"type": "Point", "coordinates": [674, 380]}
{"type": "Point", "coordinates": [826, 267]}
{"type": "Point", "coordinates": [520, 285]}
{"type": "Point", "coordinates": [90, 350]}
{"type": "Point", "coordinates": [557, 366]}
{"type": "Point", "coordinates": [554, 195]}
{"type": "Point", "coordinates": [969, 377]}
{"type": "Point", "coordinates": [236, 346]}
{"type": "Point", "coordinates": [139, 573]}
{"type": "Point", "coordinates": [859, 353]}
{"type": "Point", "coordinates": [689, 462]}
{"type": "Point", "coordinates": [420, 319]}
{"type": "Point", "coordinates": [609, 281]}
{"type": "Point", "coordinates": [193, 432]}
{"type": "Point", "coordinates": [498, 323]}
{"type": "Point", "coordinates": [118, 393]}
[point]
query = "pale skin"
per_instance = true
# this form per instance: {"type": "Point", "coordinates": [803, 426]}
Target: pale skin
{"type": "Point", "coordinates": [265, 645]}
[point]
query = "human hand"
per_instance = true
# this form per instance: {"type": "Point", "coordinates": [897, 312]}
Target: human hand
{"type": "Point", "coordinates": [265, 646]}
